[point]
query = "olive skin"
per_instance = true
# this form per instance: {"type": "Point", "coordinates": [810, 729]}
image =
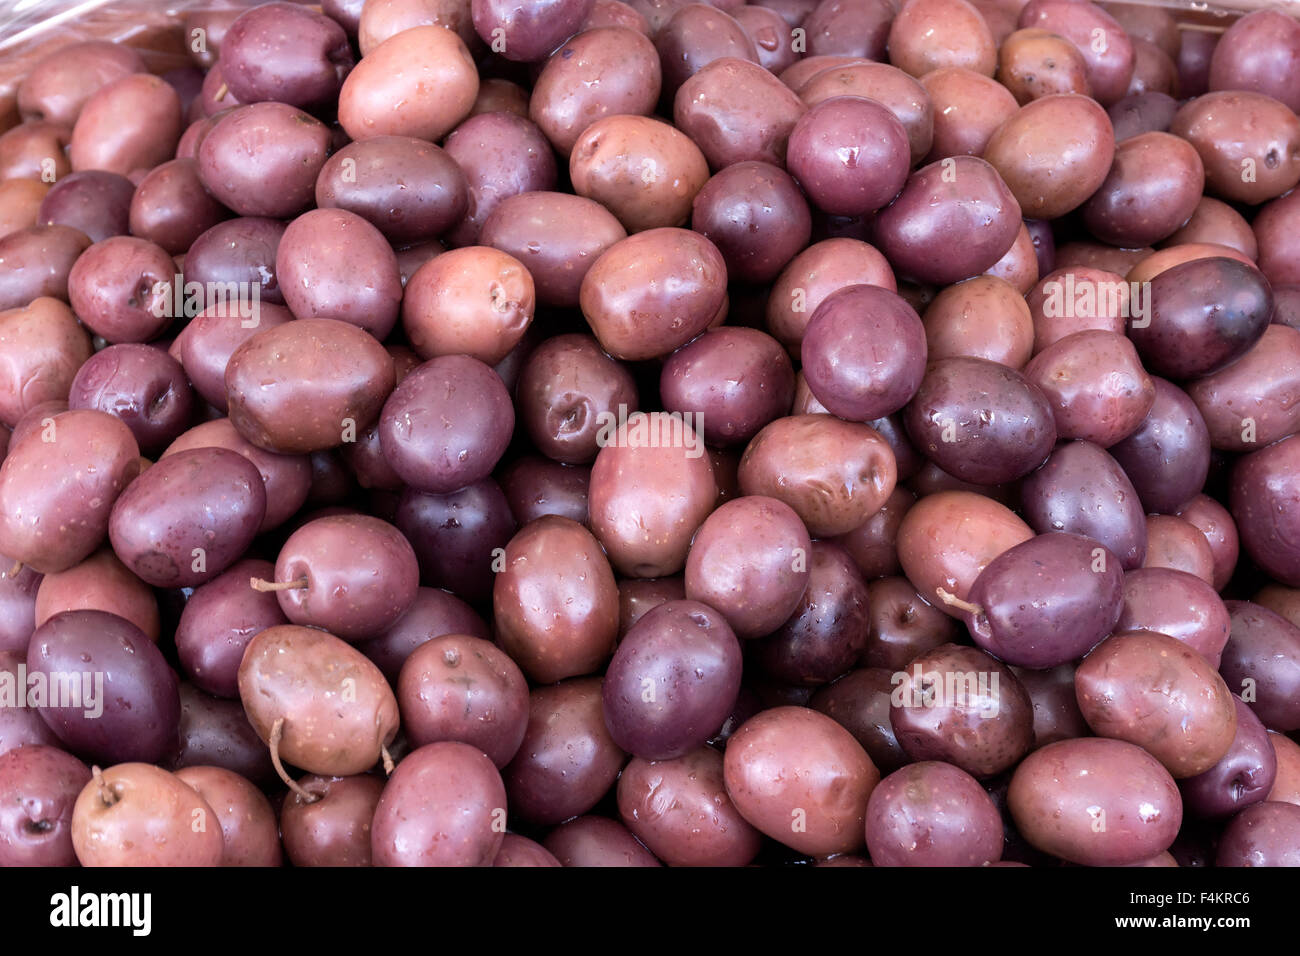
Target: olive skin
{"type": "Point", "coordinates": [819, 810]}
{"type": "Point", "coordinates": [1242, 777]}
{"type": "Point", "coordinates": [302, 386]}
{"type": "Point", "coordinates": [1155, 691]}
{"type": "Point", "coordinates": [1263, 499]}
{"type": "Point", "coordinates": [555, 602]}
{"type": "Point", "coordinates": [1047, 601]}
{"type": "Point", "coordinates": [959, 705]}
{"type": "Point", "coordinates": [672, 681]}
{"type": "Point", "coordinates": [981, 421]}
{"type": "Point", "coordinates": [189, 517]}
{"type": "Point", "coordinates": [338, 712]}
{"type": "Point", "coordinates": [444, 805]}
{"type": "Point", "coordinates": [932, 814]}
{"type": "Point", "coordinates": [1095, 801]}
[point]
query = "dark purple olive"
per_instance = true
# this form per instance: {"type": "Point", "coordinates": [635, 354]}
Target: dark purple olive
{"type": "Point", "coordinates": [850, 154]}
{"type": "Point", "coordinates": [864, 353]}
{"type": "Point", "coordinates": [447, 424]}
{"type": "Point", "coordinates": [94, 201]}
{"type": "Point", "coordinates": [735, 380]}
{"type": "Point", "coordinates": [980, 421]}
{"type": "Point", "coordinates": [756, 216]}
{"type": "Point", "coordinates": [240, 251]}
{"type": "Point", "coordinates": [827, 632]}
{"type": "Point", "coordinates": [140, 384]}
{"type": "Point", "coordinates": [860, 703]}
{"type": "Point", "coordinates": [1081, 489]}
{"type": "Point", "coordinates": [1204, 314]}
{"type": "Point", "coordinates": [189, 517]}
{"type": "Point", "coordinates": [1261, 663]}
{"type": "Point", "coordinates": [454, 536]}
{"type": "Point", "coordinates": [1168, 457]}
{"type": "Point", "coordinates": [672, 681]}
{"type": "Point", "coordinates": [1265, 834]}
{"type": "Point", "coordinates": [432, 614]}
{"type": "Point", "coordinates": [1046, 601]}
{"type": "Point", "coordinates": [111, 696]}
{"type": "Point", "coordinates": [1242, 777]}
{"type": "Point", "coordinates": [1265, 503]}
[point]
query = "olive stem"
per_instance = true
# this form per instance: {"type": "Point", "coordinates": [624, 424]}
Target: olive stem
{"type": "Point", "coordinates": [221, 93]}
{"type": "Point", "coordinates": [106, 793]}
{"type": "Point", "coordinates": [953, 601]}
{"type": "Point", "coordinates": [261, 585]}
{"type": "Point", "coordinates": [277, 732]}
{"type": "Point", "coordinates": [16, 569]}
{"type": "Point", "coordinates": [388, 760]}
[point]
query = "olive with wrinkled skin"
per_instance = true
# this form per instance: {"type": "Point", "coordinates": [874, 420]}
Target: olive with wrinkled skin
{"type": "Point", "coordinates": [1095, 801]}
{"type": "Point", "coordinates": [1033, 63]}
{"type": "Point", "coordinates": [932, 814]}
{"type": "Point", "coordinates": [130, 710]}
{"type": "Point", "coordinates": [39, 786]}
{"type": "Point", "coordinates": [188, 517]}
{"type": "Point", "coordinates": [826, 633]}
{"type": "Point", "coordinates": [555, 602]}
{"type": "Point", "coordinates": [672, 681]}
{"type": "Point", "coordinates": [568, 760]}
{"type": "Point", "coordinates": [635, 311]}
{"type": "Point", "coordinates": [1081, 489]}
{"type": "Point", "coordinates": [1155, 691]}
{"type": "Point", "coordinates": [801, 779]}
{"type": "Point", "coordinates": [1046, 601]}
{"type": "Point", "coordinates": [143, 386]}
{"type": "Point", "coordinates": [122, 289]}
{"type": "Point", "coordinates": [750, 561]}
{"type": "Point", "coordinates": [566, 389]}
{"type": "Point", "coordinates": [954, 219]}
{"type": "Point", "coordinates": [980, 421]}
{"type": "Point", "coordinates": [1242, 777]}
{"type": "Point", "coordinates": [799, 459]}
{"type": "Point", "coordinates": [959, 705]}
{"type": "Point", "coordinates": [680, 809]}
{"type": "Point", "coordinates": [335, 712]}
